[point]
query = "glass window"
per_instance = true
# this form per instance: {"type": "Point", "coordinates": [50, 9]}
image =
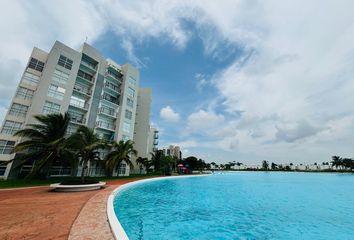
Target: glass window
{"type": "Point", "coordinates": [65, 62]}
{"type": "Point", "coordinates": [78, 102]}
{"type": "Point", "coordinates": [2, 170]}
{"type": "Point", "coordinates": [36, 64]}
{"type": "Point", "coordinates": [6, 146]}
{"type": "Point", "coordinates": [113, 74]}
{"type": "Point", "coordinates": [126, 127]}
{"type": "Point", "coordinates": [88, 63]}
{"type": "Point", "coordinates": [24, 93]}
{"type": "Point", "coordinates": [10, 127]}
{"type": "Point", "coordinates": [50, 108]}
{"type": "Point", "coordinates": [131, 92]}
{"type": "Point", "coordinates": [110, 98]}
{"type": "Point", "coordinates": [122, 169]}
{"type": "Point", "coordinates": [107, 110]}
{"type": "Point", "coordinates": [30, 79]}
{"type": "Point", "coordinates": [56, 92]}
{"type": "Point", "coordinates": [130, 103]}
{"type": "Point", "coordinates": [132, 81]}
{"type": "Point", "coordinates": [128, 114]}
{"type": "Point", "coordinates": [18, 110]}
{"type": "Point", "coordinates": [59, 76]}
{"type": "Point", "coordinates": [76, 116]}
{"type": "Point", "coordinates": [71, 129]}
{"type": "Point", "coordinates": [84, 75]}
{"type": "Point", "coordinates": [125, 138]}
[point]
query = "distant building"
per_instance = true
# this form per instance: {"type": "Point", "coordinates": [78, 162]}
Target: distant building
{"type": "Point", "coordinates": [173, 151]}
{"type": "Point", "coordinates": [152, 141]}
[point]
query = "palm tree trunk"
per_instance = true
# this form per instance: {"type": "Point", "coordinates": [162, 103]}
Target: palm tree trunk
{"type": "Point", "coordinates": [84, 167]}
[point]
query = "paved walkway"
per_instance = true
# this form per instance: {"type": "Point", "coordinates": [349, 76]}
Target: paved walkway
{"type": "Point", "coordinates": [37, 213]}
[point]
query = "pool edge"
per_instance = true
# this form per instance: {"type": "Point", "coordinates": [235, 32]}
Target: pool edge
{"type": "Point", "coordinates": [116, 228]}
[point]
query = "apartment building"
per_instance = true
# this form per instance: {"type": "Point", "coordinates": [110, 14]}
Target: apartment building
{"type": "Point", "coordinates": [142, 124]}
{"type": "Point", "coordinates": [173, 151]}
{"type": "Point", "coordinates": [97, 92]}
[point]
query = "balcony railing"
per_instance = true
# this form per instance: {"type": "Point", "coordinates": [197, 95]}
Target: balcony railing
{"type": "Point", "coordinates": [85, 76]}
{"type": "Point", "coordinates": [105, 125]}
{"type": "Point", "coordinates": [89, 65]}
{"type": "Point", "coordinates": [80, 105]}
{"type": "Point", "coordinates": [82, 89]}
{"type": "Point", "coordinates": [78, 120]}
{"type": "Point", "coordinates": [108, 111]}
{"type": "Point", "coordinates": [156, 136]}
{"type": "Point", "coordinates": [117, 77]}
{"type": "Point", "coordinates": [156, 142]}
{"type": "Point", "coordinates": [112, 86]}
{"type": "Point", "coordinates": [110, 99]}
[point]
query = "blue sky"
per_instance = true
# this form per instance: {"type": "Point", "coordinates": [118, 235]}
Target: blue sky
{"type": "Point", "coordinates": [238, 81]}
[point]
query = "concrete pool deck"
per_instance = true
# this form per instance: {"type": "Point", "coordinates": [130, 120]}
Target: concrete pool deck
{"type": "Point", "coordinates": [37, 213]}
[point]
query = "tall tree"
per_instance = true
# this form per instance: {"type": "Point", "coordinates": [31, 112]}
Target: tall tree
{"type": "Point", "coordinates": [87, 145]}
{"type": "Point", "coordinates": [348, 163]}
{"type": "Point", "coordinates": [167, 163]}
{"type": "Point", "coordinates": [44, 144]}
{"type": "Point", "coordinates": [336, 161]}
{"type": "Point", "coordinates": [265, 165]}
{"type": "Point", "coordinates": [143, 163]}
{"type": "Point", "coordinates": [120, 152]}
{"type": "Point", "coordinates": [157, 159]}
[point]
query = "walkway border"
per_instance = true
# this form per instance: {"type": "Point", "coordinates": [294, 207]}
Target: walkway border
{"type": "Point", "coordinates": [116, 227]}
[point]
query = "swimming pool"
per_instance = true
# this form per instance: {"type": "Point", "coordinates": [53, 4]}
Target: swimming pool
{"type": "Point", "coordinates": [240, 205]}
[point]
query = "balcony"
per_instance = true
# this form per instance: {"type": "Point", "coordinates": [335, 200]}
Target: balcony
{"type": "Point", "coordinates": [114, 88]}
{"type": "Point", "coordinates": [78, 120]}
{"type": "Point", "coordinates": [108, 111]}
{"type": "Point", "coordinates": [79, 105]}
{"type": "Point", "coordinates": [156, 136]}
{"type": "Point", "coordinates": [87, 67]}
{"type": "Point", "coordinates": [114, 77]}
{"type": "Point", "coordinates": [82, 90]}
{"type": "Point", "coordinates": [110, 99]}
{"type": "Point", "coordinates": [156, 142]}
{"type": "Point", "coordinates": [87, 78]}
{"type": "Point", "coordinates": [105, 125]}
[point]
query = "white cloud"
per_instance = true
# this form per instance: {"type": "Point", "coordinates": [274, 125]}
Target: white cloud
{"type": "Point", "coordinates": [169, 115]}
{"type": "Point", "coordinates": [40, 24]}
{"type": "Point", "coordinates": [203, 120]}
{"type": "Point", "coordinates": [293, 84]}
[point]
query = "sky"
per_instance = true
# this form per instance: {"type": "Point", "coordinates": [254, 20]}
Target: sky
{"type": "Point", "coordinates": [232, 80]}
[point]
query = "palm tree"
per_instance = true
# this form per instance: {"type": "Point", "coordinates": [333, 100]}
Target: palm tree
{"type": "Point", "coordinates": [120, 152]}
{"type": "Point", "coordinates": [265, 165]}
{"type": "Point", "coordinates": [167, 164]}
{"type": "Point", "coordinates": [336, 161]}
{"type": "Point", "coordinates": [44, 143]}
{"type": "Point", "coordinates": [86, 144]}
{"type": "Point", "coordinates": [157, 159]}
{"type": "Point", "coordinates": [143, 162]}
{"type": "Point", "coordinates": [348, 163]}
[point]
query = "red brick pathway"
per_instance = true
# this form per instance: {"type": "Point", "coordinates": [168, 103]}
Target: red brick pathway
{"type": "Point", "coordinates": [37, 213]}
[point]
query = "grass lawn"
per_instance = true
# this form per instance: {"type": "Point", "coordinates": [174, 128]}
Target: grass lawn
{"type": "Point", "coordinates": [38, 182]}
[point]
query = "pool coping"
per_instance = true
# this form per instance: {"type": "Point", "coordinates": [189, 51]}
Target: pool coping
{"type": "Point", "coordinates": [116, 228]}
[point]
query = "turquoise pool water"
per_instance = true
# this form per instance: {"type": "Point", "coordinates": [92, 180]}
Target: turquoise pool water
{"type": "Point", "coordinates": [241, 205]}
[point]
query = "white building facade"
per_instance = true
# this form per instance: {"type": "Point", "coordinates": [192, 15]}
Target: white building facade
{"type": "Point", "coordinates": [97, 92]}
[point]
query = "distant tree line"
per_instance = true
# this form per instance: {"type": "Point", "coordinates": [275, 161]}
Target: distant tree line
{"type": "Point", "coordinates": [342, 163]}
